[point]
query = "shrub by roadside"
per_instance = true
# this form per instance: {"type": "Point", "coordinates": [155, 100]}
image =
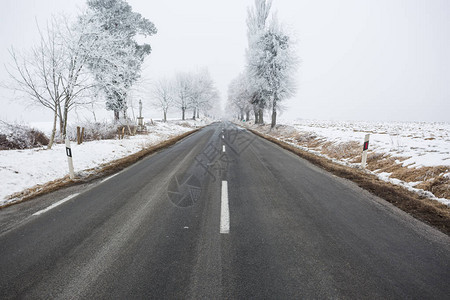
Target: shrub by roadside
{"type": "Point", "coordinates": [94, 131]}
{"type": "Point", "coordinates": [14, 136]}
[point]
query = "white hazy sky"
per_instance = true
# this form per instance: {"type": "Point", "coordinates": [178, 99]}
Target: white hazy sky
{"type": "Point", "coordinates": [386, 60]}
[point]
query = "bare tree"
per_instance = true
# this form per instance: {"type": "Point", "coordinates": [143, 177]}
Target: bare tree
{"type": "Point", "coordinates": [203, 92]}
{"type": "Point", "coordinates": [183, 91]}
{"type": "Point", "coordinates": [38, 74]}
{"type": "Point", "coordinates": [53, 73]}
{"type": "Point", "coordinates": [240, 96]}
{"type": "Point", "coordinates": [163, 95]}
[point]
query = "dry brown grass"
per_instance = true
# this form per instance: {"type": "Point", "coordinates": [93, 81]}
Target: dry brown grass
{"type": "Point", "coordinates": [346, 150]}
{"type": "Point", "coordinates": [432, 177]}
{"type": "Point", "coordinates": [439, 186]}
{"type": "Point", "coordinates": [420, 174]}
{"type": "Point", "coordinates": [102, 171]}
{"type": "Point", "coordinates": [381, 162]}
{"type": "Point", "coordinates": [429, 211]}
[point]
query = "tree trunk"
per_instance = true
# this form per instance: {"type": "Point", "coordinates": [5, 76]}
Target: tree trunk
{"type": "Point", "coordinates": [247, 115]}
{"type": "Point", "coordinates": [255, 112]}
{"type": "Point", "coordinates": [52, 136]}
{"type": "Point", "coordinates": [66, 112]}
{"type": "Point", "coordinates": [61, 120]}
{"type": "Point", "coordinates": [182, 113]}
{"type": "Point", "coordinates": [274, 114]}
{"type": "Point", "coordinates": [116, 115]}
{"type": "Point", "coordinates": [198, 113]}
{"type": "Point", "coordinates": [78, 135]}
{"type": "Point", "coordinates": [165, 116]}
{"type": "Point", "coordinates": [193, 116]}
{"type": "Point", "coordinates": [261, 116]}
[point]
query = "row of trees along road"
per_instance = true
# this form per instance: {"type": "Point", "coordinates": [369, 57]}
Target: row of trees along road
{"type": "Point", "coordinates": [271, 64]}
{"type": "Point", "coordinates": [194, 91]}
{"type": "Point", "coordinates": [95, 55]}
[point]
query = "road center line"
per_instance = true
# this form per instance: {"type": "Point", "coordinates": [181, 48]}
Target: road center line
{"type": "Point", "coordinates": [224, 210]}
{"type": "Point", "coordinates": [55, 204]}
{"type": "Point", "coordinates": [223, 148]}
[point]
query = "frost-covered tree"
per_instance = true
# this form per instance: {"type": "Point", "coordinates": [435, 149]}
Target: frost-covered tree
{"type": "Point", "coordinates": [239, 96]}
{"type": "Point", "coordinates": [163, 94]}
{"type": "Point", "coordinates": [271, 61]}
{"type": "Point", "coordinates": [116, 72]}
{"type": "Point", "coordinates": [203, 92]}
{"type": "Point", "coordinates": [256, 26]}
{"type": "Point", "coordinates": [76, 79]}
{"type": "Point", "coordinates": [196, 91]}
{"type": "Point", "coordinates": [233, 101]}
{"type": "Point", "coordinates": [274, 63]}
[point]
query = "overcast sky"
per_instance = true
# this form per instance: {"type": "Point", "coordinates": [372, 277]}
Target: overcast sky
{"type": "Point", "coordinates": [385, 60]}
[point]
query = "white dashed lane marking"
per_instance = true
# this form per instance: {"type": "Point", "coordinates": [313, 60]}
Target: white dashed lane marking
{"type": "Point", "coordinates": [224, 210]}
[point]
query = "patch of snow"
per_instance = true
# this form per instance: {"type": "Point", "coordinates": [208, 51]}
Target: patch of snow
{"type": "Point", "coordinates": [424, 144]}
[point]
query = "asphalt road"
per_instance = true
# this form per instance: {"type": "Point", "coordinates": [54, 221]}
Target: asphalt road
{"type": "Point", "coordinates": [221, 214]}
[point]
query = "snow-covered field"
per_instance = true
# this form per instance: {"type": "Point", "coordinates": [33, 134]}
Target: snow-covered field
{"type": "Point", "coordinates": [409, 150]}
{"type": "Point", "coordinates": [22, 169]}
{"type": "Point", "coordinates": [425, 144]}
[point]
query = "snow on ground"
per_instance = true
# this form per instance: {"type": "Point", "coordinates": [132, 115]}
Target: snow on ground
{"type": "Point", "coordinates": [22, 169]}
{"type": "Point", "coordinates": [427, 144]}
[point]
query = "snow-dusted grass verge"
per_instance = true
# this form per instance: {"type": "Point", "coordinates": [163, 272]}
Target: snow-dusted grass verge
{"type": "Point", "coordinates": [415, 156]}
{"type": "Point", "coordinates": [25, 169]}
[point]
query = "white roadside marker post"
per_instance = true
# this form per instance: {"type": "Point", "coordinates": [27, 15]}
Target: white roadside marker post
{"type": "Point", "coordinates": [364, 153]}
{"type": "Point", "coordinates": [69, 159]}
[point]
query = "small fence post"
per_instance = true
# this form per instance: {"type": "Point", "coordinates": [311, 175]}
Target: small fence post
{"type": "Point", "coordinates": [78, 135]}
{"type": "Point", "coordinates": [82, 135]}
{"type": "Point", "coordinates": [364, 152]}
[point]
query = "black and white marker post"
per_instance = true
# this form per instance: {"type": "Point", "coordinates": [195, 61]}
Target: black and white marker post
{"type": "Point", "coordinates": [69, 159]}
{"type": "Point", "coordinates": [365, 149]}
